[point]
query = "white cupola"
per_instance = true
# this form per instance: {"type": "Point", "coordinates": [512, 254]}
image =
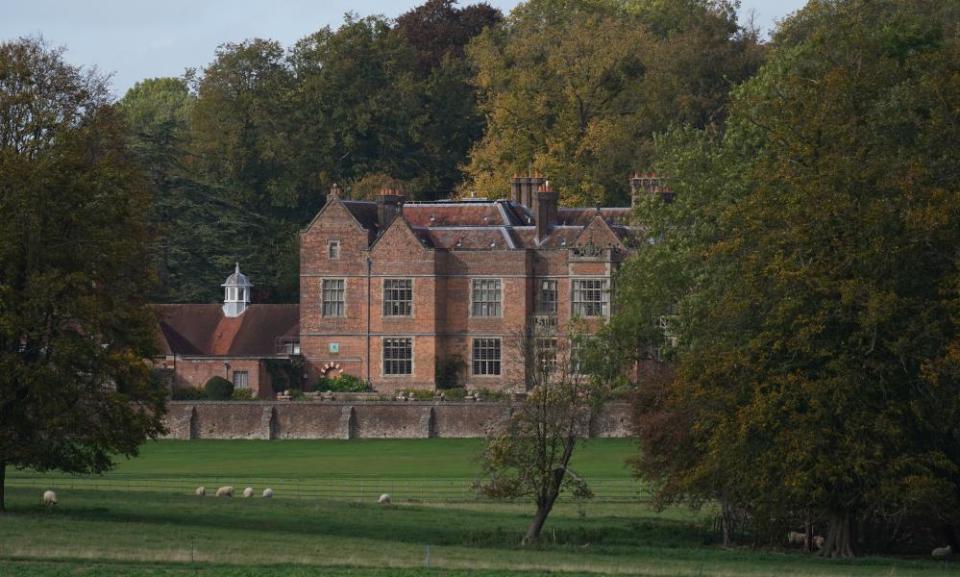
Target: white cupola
{"type": "Point", "coordinates": [236, 293]}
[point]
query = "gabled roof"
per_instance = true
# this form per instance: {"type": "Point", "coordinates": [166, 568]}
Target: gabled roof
{"type": "Point", "coordinates": [421, 235]}
{"type": "Point", "coordinates": [203, 329]}
{"type": "Point", "coordinates": [583, 216]}
{"type": "Point", "coordinates": [352, 208]}
{"type": "Point", "coordinates": [478, 224]}
{"type": "Point", "coordinates": [599, 234]}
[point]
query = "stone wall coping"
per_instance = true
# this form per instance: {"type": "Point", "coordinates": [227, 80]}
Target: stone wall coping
{"type": "Point", "coordinates": [355, 403]}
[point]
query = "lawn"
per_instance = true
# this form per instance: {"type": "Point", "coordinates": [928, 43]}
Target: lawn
{"type": "Point", "coordinates": [425, 470]}
{"type": "Point", "coordinates": [157, 532]}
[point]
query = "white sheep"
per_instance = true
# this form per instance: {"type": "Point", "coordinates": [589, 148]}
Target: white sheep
{"type": "Point", "coordinates": [384, 499]}
{"type": "Point", "coordinates": [225, 492]}
{"type": "Point", "coordinates": [796, 538]}
{"type": "Point", "coordinates": [942, 552]}
{"type": "Point", "coordinates": [49, 498]}
{"type": "Point", "coordinates": [248, 492]}
{"type": "Point", "coordinates": [267, 493]}
{"type": "Point", "coordinates": [201, 491]}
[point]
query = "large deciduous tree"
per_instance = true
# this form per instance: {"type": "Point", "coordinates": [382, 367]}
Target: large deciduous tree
{"type": "Point", "coordinates": [75, 390]}
{"type": "Point", "coordinates": [576, 89]}
{"type": "Point", "coordinates": [812, 257]}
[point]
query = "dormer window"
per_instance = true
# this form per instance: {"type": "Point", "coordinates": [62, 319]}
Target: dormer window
{"type": "Point", "coordinates": [333, 249]}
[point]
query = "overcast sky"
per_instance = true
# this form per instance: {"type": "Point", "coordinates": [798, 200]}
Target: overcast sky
{"type": "Point", "coordinates": [137, 39]}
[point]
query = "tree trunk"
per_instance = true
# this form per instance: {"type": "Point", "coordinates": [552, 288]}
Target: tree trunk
{"type": "Point", "coordinates": [726, 523]}
{"type": "Point", "coordinates": [3, 487]}
{"type": "Point", "coordinates": [533, 531]}
{"type": "Point", "coordinates": [839, 542]}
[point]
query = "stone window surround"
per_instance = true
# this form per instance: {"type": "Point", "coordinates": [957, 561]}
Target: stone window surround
{"type": "Point", "coordinates": [474, 342]}
{"type": "Point", "coordinates": [383, 308]}
{"type": "Point", "coordinates": [540, 307]}
{"type": "Point", "coordinates": [576, 290]}
{"type": "Point", "coordinates": [498, 302]}
{"type": "Point", "coordinates": [383, 357]}
{"type": "Point", "coordinates": [342, 301]}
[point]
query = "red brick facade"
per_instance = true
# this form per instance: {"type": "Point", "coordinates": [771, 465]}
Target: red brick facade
{"type": "Point", "coordinates": [199, 341]}
{"type": "Point", "coordinates": [474, 270]}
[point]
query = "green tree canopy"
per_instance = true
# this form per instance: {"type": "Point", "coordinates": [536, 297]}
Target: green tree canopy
{"type": "Point", "coordinates": [812, 258]}
{"type": "Point", "coordinates": [74, 332]}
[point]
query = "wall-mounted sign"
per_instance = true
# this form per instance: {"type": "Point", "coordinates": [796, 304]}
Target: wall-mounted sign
{"type": "Point", "coordinates": [334, 347]}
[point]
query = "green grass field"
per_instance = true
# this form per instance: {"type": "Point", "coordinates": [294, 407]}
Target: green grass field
{"type": "Point", "coordinates": [132, 528]}
{"type": "Point", "coordinates": [428, 470]}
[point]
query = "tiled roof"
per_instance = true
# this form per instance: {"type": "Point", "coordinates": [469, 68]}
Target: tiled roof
{"type": "Point", "coordinates": [472, 238]}
{"type": "Point", "coordinates": [364, 211]}
{"type": "Point", "coordinates": [457, 214]}
{"type": "Point", "coordinates": [202, 329]}
{"type": "Point", "coordinates": [583, 216]}
{"type": "Point", "coordinates": [491, 224]}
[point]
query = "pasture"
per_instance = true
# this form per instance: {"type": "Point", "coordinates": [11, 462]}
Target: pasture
{"type": "Point", "coordinates": [142, 520]}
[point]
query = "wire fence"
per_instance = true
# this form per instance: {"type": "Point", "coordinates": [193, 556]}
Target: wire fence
{"type": "Point", "coordinates": [335, 488]}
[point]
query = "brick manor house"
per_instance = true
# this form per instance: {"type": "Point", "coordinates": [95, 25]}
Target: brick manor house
{"type": "Point", "coordinates": [390, 291]}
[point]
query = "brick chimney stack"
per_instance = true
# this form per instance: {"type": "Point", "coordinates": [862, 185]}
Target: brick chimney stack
{"type": "Point", "coordinates": [516, 189]}
{"type": "Point", "coordinates": [650, 184]}
{"type": "Point", "coordinates": [545, 209]}
{"type": "Point", "coordinates": [389, 203]}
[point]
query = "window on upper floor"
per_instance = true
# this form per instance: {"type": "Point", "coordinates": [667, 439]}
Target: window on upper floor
{"type": "Point", "coordinates": [591, 297]}
{"type": "Point", "coordinates": [485, 297]}
{"type": "Point", "coordinates": [486, 356]}
{"type": "Point", "coordinates": [547, 297]}
{"type": "Point", "coordinates": [398, 356]}
{"type": "Point", "coordinates": [333, 249]}
{"type": "Point", "coordinates": [332, 301]}
{"type": "Point", "coordinates": [397, 297]}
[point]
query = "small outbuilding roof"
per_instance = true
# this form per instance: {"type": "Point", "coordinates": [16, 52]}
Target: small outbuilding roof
{"type": "Point", "coordinates": [203, 329]}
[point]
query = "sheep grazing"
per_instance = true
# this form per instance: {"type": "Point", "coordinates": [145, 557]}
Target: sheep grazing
{"type": "Point", "coordinates": [818, 541]}
{"type": "Point", "coordinates": [49, 498]}
{"type": "Point", "coordinates": [384, 499]}
{"type": "Point", "coordinates": [267, 493]}
{"type": "Point", "coordinates": [225, 492]}
{"type": "Point", "coordinates": [942, 552]}
{"type": "Point", "coordinates": [201, 491]}
{"type": "Point", "coordinates": [796, 538]}
{"type": "Point", "coordinates": [248, 492]}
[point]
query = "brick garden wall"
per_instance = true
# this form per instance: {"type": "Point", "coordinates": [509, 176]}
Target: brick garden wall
{"type": "Point", "coordinates": [343, 420]}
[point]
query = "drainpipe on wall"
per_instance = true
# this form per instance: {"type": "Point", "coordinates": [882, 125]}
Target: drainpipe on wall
{"type": "Point", "coordinates": [369, 267]}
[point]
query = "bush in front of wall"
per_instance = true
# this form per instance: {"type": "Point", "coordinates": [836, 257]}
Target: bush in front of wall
{"type": "Point", "coordinates": [343, 383]}
{"type": "Point", "coordinates": [218, 389]}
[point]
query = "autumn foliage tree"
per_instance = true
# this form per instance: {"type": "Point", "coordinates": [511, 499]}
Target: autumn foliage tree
{"type": "Point", "coordinates": [576, 89]}
{"type": "Point", "coordinates": [75, 391]}
{"type": "Point", "coordinates": [814, 255]}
